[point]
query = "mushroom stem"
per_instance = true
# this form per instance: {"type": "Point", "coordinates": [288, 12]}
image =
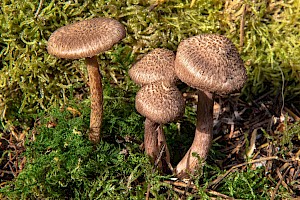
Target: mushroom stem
{"type": "Point", "coordinates": [154, 139]}
{"type": "Point", "coordinates": [96, 98]}
{"type": "Point", "coordinates": [162, 141]}
{"type": "Point", "coordinates": [150, 139]}
{"type": "Point", "coordinates": [203, 136]}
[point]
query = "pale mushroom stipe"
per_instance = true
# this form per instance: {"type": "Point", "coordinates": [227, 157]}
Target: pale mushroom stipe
{"type": "Point", "coordinates": [211, 64]}
{"type": "Point", "coordinates": [86, 39]}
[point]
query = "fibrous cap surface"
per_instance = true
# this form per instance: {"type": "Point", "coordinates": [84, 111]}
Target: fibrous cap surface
{"type": "Point", "coordinates": [161, 102]}
{"type": "Point", "coordinates": [210, 62]}
{"type": "Point", "coordinates": [86, 38]}
{"type": "Point", "coordinates": [155, 66]}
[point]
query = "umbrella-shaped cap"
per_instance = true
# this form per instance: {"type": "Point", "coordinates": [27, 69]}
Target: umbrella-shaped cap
{"type": "Point", "coordinates": [155, 66]}
{"type": "Point", "coordinates": [86, 38]}
{"type": "Point", "coordinates": [211, 63]}
{"type": "Point", "coordinates": [161, 102]}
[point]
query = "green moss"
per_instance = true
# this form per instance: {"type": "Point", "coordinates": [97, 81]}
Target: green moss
{"type": "Point", "coordinates": [62, 163]}
{"type": "Point", "coordinates": [251, 184]}
{"type": "Point", "coordinates": [31, 79]}
{"type": "Point", "coordinates": [271, 47]}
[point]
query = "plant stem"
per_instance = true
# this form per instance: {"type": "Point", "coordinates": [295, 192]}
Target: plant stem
{"type": "Point", "coordinates": [162, 141]}
{"type": "Point", "coordinates": [203, 136]}
{"type": "Point", "coordinates": [95, 82]}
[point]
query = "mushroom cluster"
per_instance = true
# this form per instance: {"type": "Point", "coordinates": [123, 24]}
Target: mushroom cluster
{"type": "Point", "coordinates": [209, 63]}
{"type": "Point", "coordinates": [158, 100]}
{"type": "Point", "coordinates": [86, 39]}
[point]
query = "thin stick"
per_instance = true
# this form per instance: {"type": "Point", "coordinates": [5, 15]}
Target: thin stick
{"type": "Point", "coordinates": [154, 167]}
{"type": "Point", "coordinates": [180, 184]}
{"type": "Point", "coordinates": [296, 118]}
{"type": "Point", "coordinates": [287, 166]}
{"type": "Point", "coordinates": [279, 182]}
{"type": "Point", "coordinates": [162, 140]}
{"type": "Point", "coordinates": [39, 9]}
{"type": "Point", "coordinates": [242, 27]}
{"type": "Point", "coordinates": [295, 109]}
{"type": "Point", "coordinates": [181, 191]}
{"type": "Point", "coordinates": [217, 180]}
{"type": "Point", "coordinates": [192, 186]}
{"type": "Point", "coordinates": [6, 172]}
{"type": "Point", "coordinates": [159, 156]}
{"type": "Point", "coordinates": [218, 194]}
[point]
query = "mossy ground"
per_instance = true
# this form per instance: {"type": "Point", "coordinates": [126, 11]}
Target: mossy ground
{"type": "Point", "coordinates": [59, 162]}
{"type": "Point", "coordinates": [44, 104]}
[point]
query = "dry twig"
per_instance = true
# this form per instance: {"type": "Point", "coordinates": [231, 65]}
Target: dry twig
{"type": "Point", "coordinates": [217, 180]}
{"type": "Point", "coordinates": [158, 159]}
{"type": "Point", "coordinates": [273, 195]}
{"type": "Point", "coordinates": [192, 186]}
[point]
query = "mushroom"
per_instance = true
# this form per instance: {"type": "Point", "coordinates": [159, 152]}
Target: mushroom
{"type": "Point", "coordinates": [86, 39]}
{"type": "Point", "coordinates": [155, 66]}
{"type": "Point", "coordinates": [211, 64]}
{"type": "Point", "coordinates": [160, 102]}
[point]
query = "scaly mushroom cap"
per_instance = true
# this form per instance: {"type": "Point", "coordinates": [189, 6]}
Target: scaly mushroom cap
{"type": "Point", "coordinates": [155, 66]}
{"type": "Point", "coordinates": [211, 63]}
{"type": "Point", "coordinates": [86, 38]}
{"type": "Point", "coordinates": [161, 102]}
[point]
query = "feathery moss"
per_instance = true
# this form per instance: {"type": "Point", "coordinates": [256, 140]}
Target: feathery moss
{"type": "Point", "coordinates": [31, 79]}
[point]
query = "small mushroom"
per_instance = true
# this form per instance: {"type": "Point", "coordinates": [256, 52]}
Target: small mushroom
{"type": "Point", "coordinates": [211, 64]}
{"type": "Point", "coordinates": [155, 66]}
{"type": "Point", "coordinates": [160, 102]}
{"type": "Point", "coordinates": [86, 39]}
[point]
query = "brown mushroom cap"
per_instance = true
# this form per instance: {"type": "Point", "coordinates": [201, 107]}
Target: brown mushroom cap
{"type": "Point", "coordinates": [155, 66]}
{"type": "Point", "coordinates": [211, 63]}
{"type": "Point", "coordinates": [161, 102]}
{"type": "Point", "coordinates": [86, 38]}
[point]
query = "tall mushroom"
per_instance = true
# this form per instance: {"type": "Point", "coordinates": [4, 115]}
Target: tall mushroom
{"type": "Point", "coordinates": [86, 39]}
{"type": "Point", "coordinates": [157, 65]}
{"type": "Point", "coordinates": [160, 102]}
{"type": "Point", "coordinates": [211, 64]}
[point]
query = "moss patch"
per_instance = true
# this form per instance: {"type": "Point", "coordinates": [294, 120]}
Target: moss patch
{"type": "Point", "coordinates": [31, 79]}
